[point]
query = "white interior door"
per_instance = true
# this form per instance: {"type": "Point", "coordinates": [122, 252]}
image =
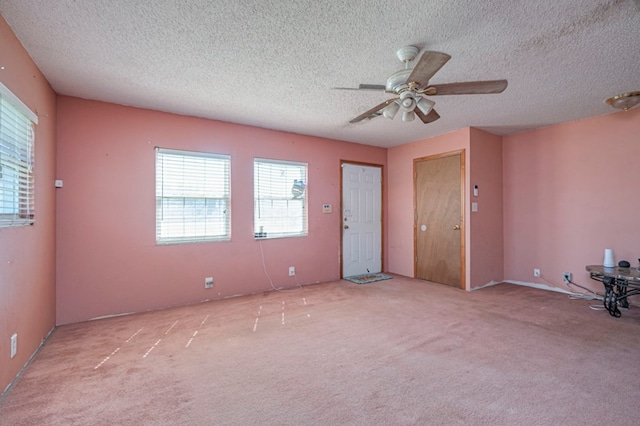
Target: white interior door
{"type": "Point", "coordinates": [361, 219]}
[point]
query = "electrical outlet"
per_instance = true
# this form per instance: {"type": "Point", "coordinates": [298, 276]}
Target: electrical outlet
{"type": "Point", "coordinates": [536, 272]}
{"type": "Point", "coordinates": [208, 282]}
{"type": "Point", "coordinates": [292, 271]}
{"type": "Point", "coordinates": [566, 276]}
{"type": "Point", "coordinates": [14, 344]}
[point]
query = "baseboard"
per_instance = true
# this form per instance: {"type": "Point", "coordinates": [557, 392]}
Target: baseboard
{"type": "Point", "coordinates": [489, 284]}
{"type": "Point", "coordinates": [540, 286]}
{"type": "Point", "coordinates": [29, 361]}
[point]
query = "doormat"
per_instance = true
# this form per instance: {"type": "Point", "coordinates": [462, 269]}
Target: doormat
{"type": "Point", "coordinates": [368, 278]}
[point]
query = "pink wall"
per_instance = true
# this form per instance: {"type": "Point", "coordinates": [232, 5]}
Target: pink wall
{"type": "Point", "coordinates": [108, 262]}
{"type": "Point", "coordinates": [486, 239]}
{"type": "Point", "coordinates": [570, 191]}
{"type": "Point", "coordinates": [400, 198]}
{"type": "Point", "coordinates": [27, 258]}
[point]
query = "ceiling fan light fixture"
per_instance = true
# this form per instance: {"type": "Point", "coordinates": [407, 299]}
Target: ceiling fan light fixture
{"type": "Point", "coordinates": [407, 101]}
{"type": "Point", "coordinates": [391, 110]}
{"type": "Point", "coordinates": [425, 105]}
{"type": "Point", "coordinates": [625, 101]}
{"type": "Point", "coordinates": [408, 116]}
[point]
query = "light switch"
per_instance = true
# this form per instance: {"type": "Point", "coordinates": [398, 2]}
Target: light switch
{"type": "Point", "coordinates": [474, 207]}
{"type": "Point", "coordinates": [326, 208]}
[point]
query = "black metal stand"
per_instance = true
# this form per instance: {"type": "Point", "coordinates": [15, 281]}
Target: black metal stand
{"type": "Point", "coordinates": [619, 284]}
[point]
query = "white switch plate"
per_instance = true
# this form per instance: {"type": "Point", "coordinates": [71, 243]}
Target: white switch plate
{"type": "Point", "coordinates": [474, 207]}
{"type": "Point", "coordinates": [58, 183]}
{"type": "Point", "coordinates": [14, 344]}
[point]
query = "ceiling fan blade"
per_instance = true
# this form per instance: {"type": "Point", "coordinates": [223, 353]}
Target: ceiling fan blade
{"type": "Point", "coordinates": [429, 64]}
{"type": "Point", "coordinates": [376, 87]}
{"type": "Point", "coordinates": [373, 110]}
{"type": "Point", "coordinates": [467, 88]}
{"type": "Point", "coordinates": [372, 87]}
{"type": "Point", "coordinates": [429, 118]}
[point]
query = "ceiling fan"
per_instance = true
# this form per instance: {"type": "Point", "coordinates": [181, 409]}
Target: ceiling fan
{"type": "Point", "coordinates": [410, 86]}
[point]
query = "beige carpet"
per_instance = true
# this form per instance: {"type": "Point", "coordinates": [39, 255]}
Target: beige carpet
{"type": "Point", "coordinates": [394, 352]}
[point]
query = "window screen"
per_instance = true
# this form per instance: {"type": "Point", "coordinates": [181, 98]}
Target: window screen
{"type": "Point", "coordinates": [280, 199]}
{"type": "Point", "coordinates": [16, 161]}
{"type": "Point", "coordinates": [193, 198]}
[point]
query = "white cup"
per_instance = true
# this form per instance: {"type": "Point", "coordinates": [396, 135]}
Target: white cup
{"type": "Point", "coordinates": [608, 259]}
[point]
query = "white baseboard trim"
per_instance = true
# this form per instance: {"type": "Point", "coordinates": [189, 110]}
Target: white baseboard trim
{"type": "Point", "coordinates": [489, 284]}
{"type": "Point", "coordinates": [539, 286]}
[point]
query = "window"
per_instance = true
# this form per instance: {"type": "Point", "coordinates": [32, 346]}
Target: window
{"type": "Point", "coordinates": [193, 199]}
{"type": "Point", "coordinates": [16, 161]}
{"type": "Point", "coordinates": [280, 202]}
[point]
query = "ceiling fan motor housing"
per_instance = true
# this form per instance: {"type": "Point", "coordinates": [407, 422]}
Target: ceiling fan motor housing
{"type": "Point", "coordinates": [397, 81]}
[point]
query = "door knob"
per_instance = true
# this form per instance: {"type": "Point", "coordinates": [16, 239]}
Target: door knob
{"type": "Point", "coordinates": [457, 227]}
{"type": "Point", "coordinates": [346, 227]}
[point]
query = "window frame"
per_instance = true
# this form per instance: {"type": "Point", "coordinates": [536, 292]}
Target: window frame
{"type": "Point", "coordinates": [163, 196]}
{"type": "Point", "coordinates": [262, 234]}
{"type": "Point", "coordinates": [17, 156]}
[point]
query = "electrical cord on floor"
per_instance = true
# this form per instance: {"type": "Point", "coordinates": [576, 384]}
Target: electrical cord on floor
{"type": "Point", "coordinates": [264, 267]}
{"type": "Point", "coordinates": [590, 295]}
{"type": "Point", "coordinates": [596, 295]}
{"type": "Point", "coordinates": [597, 307]}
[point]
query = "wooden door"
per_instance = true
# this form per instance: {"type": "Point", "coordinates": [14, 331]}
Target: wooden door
{"type": "Point", "coordinates": [439, 218]}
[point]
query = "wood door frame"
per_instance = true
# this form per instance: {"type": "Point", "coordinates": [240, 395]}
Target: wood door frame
{"type": "Point", "coordinates": [382, 199]}
{"type": "Point", "coordinates": [463, 210]}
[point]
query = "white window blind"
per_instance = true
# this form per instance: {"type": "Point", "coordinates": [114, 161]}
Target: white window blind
{"type": "Point", "coordinates": [280, 198]}
{"type": "Point", "coordinates": [193, 199]}
{"type": "Point", "coordinates": [17, 206]}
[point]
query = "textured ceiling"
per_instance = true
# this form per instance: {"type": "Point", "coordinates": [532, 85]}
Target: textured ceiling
{"type": "Point", "coordinates": [272, 63]}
